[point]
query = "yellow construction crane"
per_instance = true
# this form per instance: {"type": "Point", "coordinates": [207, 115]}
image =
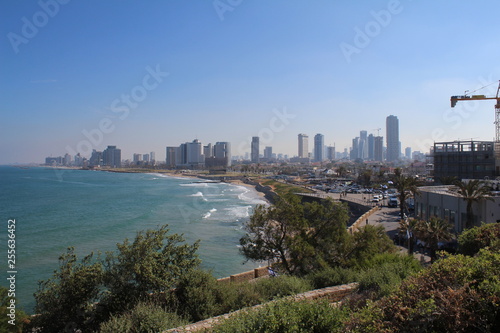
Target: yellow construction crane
{"type": "Point", "coordinates": [455, 99]}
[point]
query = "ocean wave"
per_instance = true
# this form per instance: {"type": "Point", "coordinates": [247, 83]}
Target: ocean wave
{"type": "Point", "coordinates": [197, 194]}
{"type": "Point", "coordinates": [209, 213]}
{"type": "Point", "coordinates": [237, 212]}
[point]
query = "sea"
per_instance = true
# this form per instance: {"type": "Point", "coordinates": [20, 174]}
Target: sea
{"type": "Point", "coordinates": [92, 211]}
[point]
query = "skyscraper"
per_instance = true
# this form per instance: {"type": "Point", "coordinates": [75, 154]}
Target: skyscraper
{"type": "Point", "coordinates": [303, 146]}
{"type": "Point", "coordinates": [222, 152]}
{"type": "Point", "coordinates": [355, 149]}
{"type": "Point", "coordinates": [392, 131]}
{"type": "Point", "coordinates": [319, 147]}
{"type": "Point", "coordinates": [170, 160]}
{"type": "Point", "coordinates": [363, 145]}
{"type": "Point", "coordinates": [255, 150]}
{"type": "Point", "coordinates": [371, 147]}
{"type": "Point", "coordinates": [112, 157]}
{"type": "Point", "coordinates": [268, 152]}
{"type": "Point", "coordinates": [378, 149]}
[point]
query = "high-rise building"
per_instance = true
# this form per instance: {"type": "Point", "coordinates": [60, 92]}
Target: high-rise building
{"type": "Point", "coordinates": [393, 145]}
{"type": "Point", "coordinates": [170, 159]}
{"type": "Point", "coordinates": [371, 147]}
{"type": "Point", "coordinates": [152, 157]}
{"type": "Point", "coordinates": [268, 153]}
{"type": "Point", "coordinates": [95, 158]}
{"type": "Point", "coordinates": [303, 146]}
{"type": "Point", "coordinates": [222, 154]}
{"type": "Point", "coordinates": [67, 159]}
{"type": "Point", "coordinates": [112, 157]}
{"type": "Point", "coordinates": [319, 147]}
{"type": "Point", "coordinates": [355, 149]}
{"type": "Point", "coordinates": [408, 153]}
{"type": "Point", "coordinates": [194, 154]}
{"type": "Point", "coordinates": [208, 151]}
{"type": "Point", "coordinates": [378, 148]}
{"type": "Point", "coordinates": [255, 150]}
{"type": "Point", "coordinates": [330, 153]}
{"type": "Point", "coordinates": [363, 145]}
{"type": "Point", "coordinates": [137, 158]}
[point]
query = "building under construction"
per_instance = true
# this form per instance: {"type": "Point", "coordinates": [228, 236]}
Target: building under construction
{"type": "Point", "coordinates": [465, 160]}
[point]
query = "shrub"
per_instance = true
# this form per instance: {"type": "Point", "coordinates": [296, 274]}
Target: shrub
{"type": "Point", "coordinates": [456, 294]}
{"type": "Point", "coordinates": [474, 239]}
{"type": "Point", "coordinates": [281, 286]}
{"type": "Point", "coordinates": [198, 295]}
{"type": "Point", "coordinates": [286, 316]}
{"type": "Point", "coordinates": [144, 318]}
{"type": "Point", "coordinates": [332, 277]}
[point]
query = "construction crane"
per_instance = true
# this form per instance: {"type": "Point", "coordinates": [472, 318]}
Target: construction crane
{"type": "Point", "coordinates": [378, 131]}
{"type": "Point", "coordinates": [455, 99]}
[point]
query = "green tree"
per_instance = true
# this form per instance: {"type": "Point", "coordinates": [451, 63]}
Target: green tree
{"type": "Point", "coordinates": [432, 232]}
{"type": "Point", "coordinates": [407, 186]}
{"type": "Point", "coordinates": [66, 301]}
{"type": "Point", "coordinates": [368, 242]}
{"type": "Point", "coordinates": [299, 237]}
{"type": "Point", "coordinates": [472, 191]}
{"type": "Point", "coordinates": [83, 294]}
{"type": "Point", "coordinates": [342, 171]}
{"type": "Point", "coordinates": [365, 177]}
{"type": "Point", "coordinates": [151, 264]}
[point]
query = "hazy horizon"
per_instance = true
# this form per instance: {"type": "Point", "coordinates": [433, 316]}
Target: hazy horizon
{"type": "Point", "coordinates": [146, 75]}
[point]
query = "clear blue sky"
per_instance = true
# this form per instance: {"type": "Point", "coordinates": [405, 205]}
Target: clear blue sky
{"type": "Point", "coordinates": [231, 69]}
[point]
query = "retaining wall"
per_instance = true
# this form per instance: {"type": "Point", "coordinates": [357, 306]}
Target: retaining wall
{"type": "Point", "coordinates": [332, 294]}
{"type": "Point", "coordinates": [361, 220]}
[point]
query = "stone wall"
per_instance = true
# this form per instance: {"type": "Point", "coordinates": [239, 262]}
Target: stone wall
{"type": "Point", "coordinates": [332, 294]}
{"type": "Point", "coordinates": [361, 220]}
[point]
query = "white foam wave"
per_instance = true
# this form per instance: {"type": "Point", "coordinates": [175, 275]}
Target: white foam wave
{"type": "Point", "coordinates": [197, 194]}
{"type": "Point", "coordinates": [209, 213]}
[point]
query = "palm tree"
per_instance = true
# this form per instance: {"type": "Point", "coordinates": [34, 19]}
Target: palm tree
{"type": "Point", "coordinates": [406, 186]}
{"type": "Point", "coordinates": [472, 191]}
{"type": "Point", "coordinates": [432, 232]}
{"type": "Point", "coordinates": [407, 226]}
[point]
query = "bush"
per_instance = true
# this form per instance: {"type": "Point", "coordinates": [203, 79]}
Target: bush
{"type": "Point", "coordinates": [474, 239]}
{"type": "Point", "coordinates": [286, 316]}
{"type": "Point", "coordinates": [144, 318]}
{"type": "Point", "coordinates": [456, 294]}
{"type": "Point", "coordinates": [332, 277]}
{"type": "Point", "coordinates": [198, 295]}
{"type": "Point", "coordinates": [281, 286]}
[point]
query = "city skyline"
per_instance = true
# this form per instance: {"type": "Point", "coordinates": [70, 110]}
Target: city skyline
{"type": "Point", "coordinates": [79, 76]}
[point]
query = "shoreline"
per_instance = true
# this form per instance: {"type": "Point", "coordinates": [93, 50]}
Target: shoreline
{"type": "Point", "coordinates": [233, 180]}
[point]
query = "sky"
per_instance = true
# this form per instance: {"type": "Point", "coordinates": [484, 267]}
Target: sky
{"type": "Point", "coordinates": [143, 75]}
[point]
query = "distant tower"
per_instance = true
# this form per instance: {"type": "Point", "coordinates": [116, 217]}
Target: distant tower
{"type": "Point", "coordinates": [371, 147]}
{"type": "Point", "coordinates": [363, 145]}
{"type": "Point", "coordinates": [378, 149]}
{"type": "Point", "coordinates": [408, 153]}
{"type": "Point", "coordinates": [319, 147]}
{"type": "Point", "coordinates": [392, 131]}
{"type": "Point", "coordinates": [255, 150]}
{"type": "Point", "coordinates": [303, 146]}
{"type": "Point", "coordinates": [112, 157]}
{"type": "Point", "coordinates": [268, 152]}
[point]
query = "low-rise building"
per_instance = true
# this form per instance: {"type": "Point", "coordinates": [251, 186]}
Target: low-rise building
{"type": "Point", "coordinates": [444, 202]}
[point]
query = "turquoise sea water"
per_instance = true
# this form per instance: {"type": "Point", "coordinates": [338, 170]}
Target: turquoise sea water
{"type": "Point", "coordinates": [93, 210]}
